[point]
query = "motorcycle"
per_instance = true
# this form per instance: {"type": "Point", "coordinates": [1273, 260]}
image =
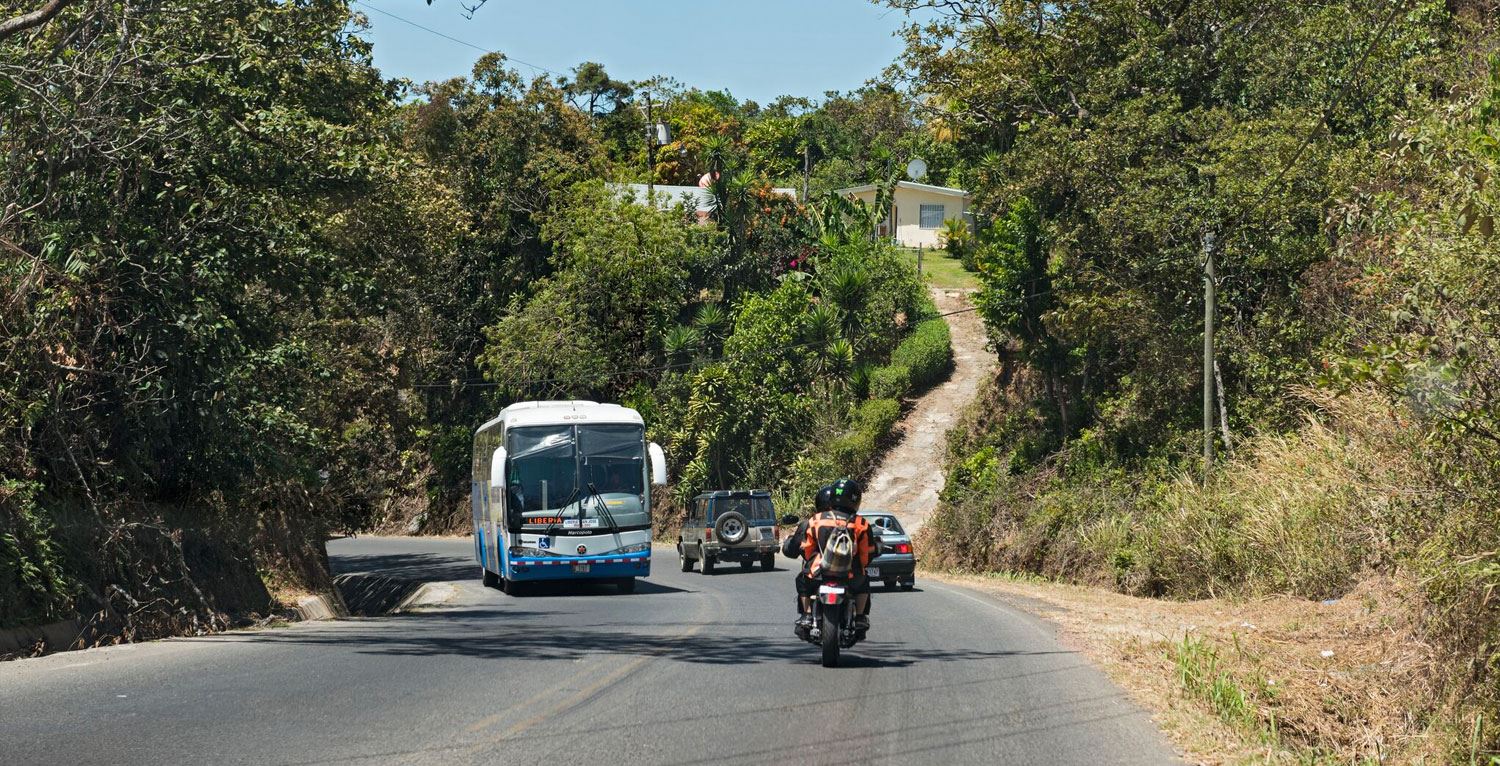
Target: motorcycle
{"type": "Point", "coordinates": [833, 613]}
{"type": "Point", "coordinates": [833, 622]}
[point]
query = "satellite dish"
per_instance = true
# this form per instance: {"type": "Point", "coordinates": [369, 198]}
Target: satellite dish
{"type": "Point", "coordinates": [916, 170]}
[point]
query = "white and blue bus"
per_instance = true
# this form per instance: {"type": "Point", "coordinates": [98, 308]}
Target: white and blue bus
{"type": "Point", "coordinates": [562, 491]}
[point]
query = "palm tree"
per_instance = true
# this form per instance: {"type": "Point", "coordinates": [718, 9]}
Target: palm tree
{"type": "Point", "coordinates": [710, 321]}
{"type": "Point", "coordinates": [682, 343]}
{"type": "Point", "coordinates": [822, 327]}
{"type": "Point", "coordinates": [846, 288]}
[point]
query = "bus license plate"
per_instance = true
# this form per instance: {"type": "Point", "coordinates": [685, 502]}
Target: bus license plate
{"type": "Point", "coordinates": [872, 571]}
{"type": "Point", "coordinates": [580, 568]}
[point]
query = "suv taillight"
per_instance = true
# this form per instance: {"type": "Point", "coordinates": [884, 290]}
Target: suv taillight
{"type": "Point", "coordinates": [708, 533]}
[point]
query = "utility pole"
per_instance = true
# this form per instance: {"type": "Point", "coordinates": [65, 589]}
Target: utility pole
{"type": "Point", "coordinates": [650, 150]}
{"type": "Point", "coordinates": [806, 169]}
{"type": "Point", "coordinates": [1209, 298]}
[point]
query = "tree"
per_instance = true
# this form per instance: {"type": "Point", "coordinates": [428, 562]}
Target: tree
{"type": "Point", "coordinates": [592, 88]}
{"type": "Point", "coordinates": [18, 24]}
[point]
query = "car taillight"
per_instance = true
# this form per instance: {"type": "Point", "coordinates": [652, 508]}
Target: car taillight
{"type": "Point", "coordinates": [903, 547]}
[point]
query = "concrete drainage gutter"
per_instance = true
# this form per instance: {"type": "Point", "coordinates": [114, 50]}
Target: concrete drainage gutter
{"type": "Point", "coordinates": [357, 595]}
{"type": "Point", "coordinates": [372, 595]}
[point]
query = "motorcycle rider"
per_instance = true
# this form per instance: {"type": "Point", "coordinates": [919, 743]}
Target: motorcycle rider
{"type": "Point", "coordinates": [792, 549]}
{"type": "Point", "coordinates": [841, 514]}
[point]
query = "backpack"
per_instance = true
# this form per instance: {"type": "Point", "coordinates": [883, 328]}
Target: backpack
{"type": "Point", "coordinates": [837, 555]}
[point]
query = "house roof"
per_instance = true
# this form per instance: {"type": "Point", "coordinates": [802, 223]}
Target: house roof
{"type": "Point", "coordinates": [665, 196]}
{"type": "Point", "coordinates": [913, 185]}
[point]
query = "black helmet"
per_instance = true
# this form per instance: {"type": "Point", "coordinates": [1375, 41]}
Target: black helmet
{"type": "Point", "coordinates": [846, 495]}
{"type": "Point", "coordinates": [824, 500]}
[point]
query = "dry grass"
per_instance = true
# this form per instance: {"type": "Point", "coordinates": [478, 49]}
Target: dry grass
{"type": "Point", "coordinates": [1358, 507]}
{"type": "Point", "coordinates": [1264, 691]}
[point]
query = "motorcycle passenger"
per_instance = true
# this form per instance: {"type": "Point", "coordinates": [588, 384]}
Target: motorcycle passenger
{"type": "Point", "coordinates": [842, 514]}
{"type": "Point", "coordinates": [792, 549]}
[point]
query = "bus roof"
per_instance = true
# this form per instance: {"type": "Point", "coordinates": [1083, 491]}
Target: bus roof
{"type": "Point", "coordinates": [569, 411]}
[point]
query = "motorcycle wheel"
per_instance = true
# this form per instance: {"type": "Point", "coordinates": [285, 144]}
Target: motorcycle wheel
{"type": "Point", "coordinates": [830, 641]}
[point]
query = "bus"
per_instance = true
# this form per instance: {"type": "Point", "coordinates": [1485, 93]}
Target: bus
{"type": "Point", "coordinates": [561, 490]}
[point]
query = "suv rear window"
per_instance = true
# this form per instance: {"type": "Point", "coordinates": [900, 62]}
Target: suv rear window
{"type": "Point", "coordinates": [761, 509]}
{"type": "Point", "coordinates": [752, 508]}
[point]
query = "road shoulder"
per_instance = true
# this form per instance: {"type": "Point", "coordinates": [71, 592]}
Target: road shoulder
{"type": "Point", "coordinates": [1267, 680]}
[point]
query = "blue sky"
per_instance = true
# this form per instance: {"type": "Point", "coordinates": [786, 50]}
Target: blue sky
{"type": "Point", "coordinates": [756, 49]}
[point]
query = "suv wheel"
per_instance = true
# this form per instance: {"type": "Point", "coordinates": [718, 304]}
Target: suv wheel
{"type": "Point", "coordinates": [746, 564]}
{"type": "Point", "coordinates": [687, 563]}
{"type": "Point", "coordinates": [732, 528]}
{"type": "Point", "coordinates": [768, 561]}
{"type": "Point", "coordinates": [707, 561]}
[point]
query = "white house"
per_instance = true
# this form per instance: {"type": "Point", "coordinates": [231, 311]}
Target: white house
{"type": "Point", "coordinates": [917, 211]}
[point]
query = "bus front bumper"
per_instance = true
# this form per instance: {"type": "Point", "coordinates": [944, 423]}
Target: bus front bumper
{"type": "Point", "coordinates": [604, 567]}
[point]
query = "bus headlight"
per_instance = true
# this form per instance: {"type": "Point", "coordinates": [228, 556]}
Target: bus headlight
{"type": "Point", "coordinates": [636, 548]}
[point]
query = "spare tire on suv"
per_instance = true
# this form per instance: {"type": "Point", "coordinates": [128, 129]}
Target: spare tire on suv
{"type": "Point", "coordinates": [731, 528]}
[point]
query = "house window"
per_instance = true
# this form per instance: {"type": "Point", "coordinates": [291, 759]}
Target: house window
{"type": "Point", "coordinates": [931, 217]}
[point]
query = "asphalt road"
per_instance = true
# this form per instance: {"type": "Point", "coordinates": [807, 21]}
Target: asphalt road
{"type": "Point", "coordinates": [689, 669]}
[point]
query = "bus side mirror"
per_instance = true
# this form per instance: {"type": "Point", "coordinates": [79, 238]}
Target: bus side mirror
{"type": "Point", "coordinates": [658, 465]}
{"type": "Point", "coordinates": [497, 469]}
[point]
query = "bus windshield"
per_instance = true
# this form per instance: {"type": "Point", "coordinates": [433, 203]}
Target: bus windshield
{"type": "Point", "coordinates": [555, 471]}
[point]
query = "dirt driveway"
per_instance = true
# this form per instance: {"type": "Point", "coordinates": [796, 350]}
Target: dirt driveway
{"type": "Point", "coordinates": [910, 477]}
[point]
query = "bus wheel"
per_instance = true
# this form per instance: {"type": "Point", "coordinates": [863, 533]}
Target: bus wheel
{"type": "Point", "coordinates": [626, 585]}
{"type": "Point", "coordinates": [490, 579]}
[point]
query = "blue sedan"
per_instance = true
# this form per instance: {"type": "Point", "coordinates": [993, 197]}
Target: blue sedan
{"type": "Point", "coordinates": [895, 562]}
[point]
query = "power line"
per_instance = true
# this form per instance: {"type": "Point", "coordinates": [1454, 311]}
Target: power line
{"type": "Point", "coordinates": [451, 38]}
{"type": "Point", "coordinates": [482, 383]}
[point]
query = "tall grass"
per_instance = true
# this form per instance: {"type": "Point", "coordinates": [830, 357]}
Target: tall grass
{"type": "Point", "coordinates": [1359, 491]}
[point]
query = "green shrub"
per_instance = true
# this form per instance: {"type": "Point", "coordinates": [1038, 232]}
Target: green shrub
{"type": "Point", "coordinates": [877, 416]}
{"type": "Point", "coordinates": [890, 382]}
{"type": "Point", "coordinates": [927, 353]}
{"type": "Point", "coordinates": [852, 453]}
{"type": "Point", "coordinates": [922, 359]}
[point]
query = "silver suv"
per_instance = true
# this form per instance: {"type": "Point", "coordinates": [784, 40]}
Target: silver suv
{"type": "Point", "coordinates": [737, 525]}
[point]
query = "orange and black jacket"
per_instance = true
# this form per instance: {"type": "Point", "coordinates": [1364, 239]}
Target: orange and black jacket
{"type": "Point", "coordinates": [822, 525]}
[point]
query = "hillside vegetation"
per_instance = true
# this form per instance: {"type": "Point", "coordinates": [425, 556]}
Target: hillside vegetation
{"type": "Point", "coordinates": [254, 294]}
{"type": "Point", "coordinates": [1340, 160]}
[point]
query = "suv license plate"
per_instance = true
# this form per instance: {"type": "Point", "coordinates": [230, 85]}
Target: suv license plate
{"type": "Point", "coordinates": [580, 568]}
{"type": "Point", "coordinates": [872, 571]}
